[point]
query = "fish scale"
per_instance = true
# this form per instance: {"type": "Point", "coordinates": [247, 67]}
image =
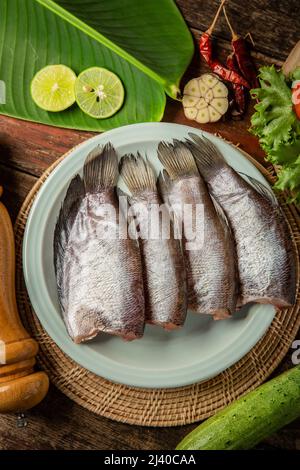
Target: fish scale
{"type": "Point", "coordinates": [210, 266]}
{"type": "Point", "coordinates": [99, 275]}
{"type": "Point", "coordinates": [163, 266]}
{"type": "Point", "coordinates": [266, 258]}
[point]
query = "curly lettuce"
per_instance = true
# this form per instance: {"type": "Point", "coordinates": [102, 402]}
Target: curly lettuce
{"type": "Point", "coordinates": [277, 126]}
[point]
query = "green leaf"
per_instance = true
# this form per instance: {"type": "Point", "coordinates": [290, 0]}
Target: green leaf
{"type": "Point", "coordinates": [278, 129]}
{"type": "Point", "coordinates": [274, 120]}
{"type": "Point", "coordinates": [285, 154]}
{"type": "Point", "coordinates": [295, 75]}
{"type": "Point", "coordinates": [289, 179]}
{"type": "Point", "coordinates": [146, 44]}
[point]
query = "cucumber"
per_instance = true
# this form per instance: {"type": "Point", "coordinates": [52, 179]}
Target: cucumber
{"type": "Point", "coordinates": [251, 418]}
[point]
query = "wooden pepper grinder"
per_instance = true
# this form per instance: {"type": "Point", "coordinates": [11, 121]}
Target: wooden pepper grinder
{"type": "Point", "coordinates": [20, 387]}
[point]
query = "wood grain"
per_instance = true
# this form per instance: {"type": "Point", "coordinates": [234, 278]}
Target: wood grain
{"type": "Point", "coordinates": [32, 147]}
{"type": "Point", "coordinates": [27, 149]}
{"type": "Point", "coordinates": [57, 423]}
{"type": "Point", "coordinates": [16, 186]}
{"type": "Point", "coordinates": [33, 159]}
{"type": "Point", "coordinates": [272, 23]}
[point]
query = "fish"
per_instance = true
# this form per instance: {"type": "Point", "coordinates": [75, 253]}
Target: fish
{"type": "Point", "coordinates": [163, 266]}
{"type": "Point", "coordinates": [265, 252]}
{"type": "Point", "coordinates": [211, 263]}
{"type": "Point", "coordinates": [98, 273]}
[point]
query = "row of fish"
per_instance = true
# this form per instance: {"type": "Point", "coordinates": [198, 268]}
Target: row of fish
{"type": "Point", "coordinates": [116, 285]}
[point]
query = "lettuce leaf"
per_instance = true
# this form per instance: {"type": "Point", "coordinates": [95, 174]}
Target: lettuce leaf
{"type": "Point", "coordinates": [285, 154]}
{"type": "Point", "coordinates": [295, 75]}
{"type": "Point", "coordinates": [277, 126]}
{"type": "Point", "coordinates": [289, 179]}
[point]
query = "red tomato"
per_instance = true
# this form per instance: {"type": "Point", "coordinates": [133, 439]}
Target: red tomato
{"type": "Point", "coordinates": [296, 97]}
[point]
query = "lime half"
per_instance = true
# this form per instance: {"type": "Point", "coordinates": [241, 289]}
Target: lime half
{"type": "Point", "coordinates": [99, 92]}
{"type": "Point", "coordinates": [52, 88]}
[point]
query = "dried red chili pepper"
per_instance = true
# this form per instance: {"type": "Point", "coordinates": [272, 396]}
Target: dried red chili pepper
{"type": "Point", "coordinates": [205, 45]}
{"type": "Point", "coordinates": [242, 55]}
{"type": "Point", "coordinates": [238, 90]}
{"type": "Point", "coordinates": [216, 66]}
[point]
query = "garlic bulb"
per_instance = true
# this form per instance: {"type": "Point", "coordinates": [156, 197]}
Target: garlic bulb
{"type": "Point", "coordinates": [205, 99]}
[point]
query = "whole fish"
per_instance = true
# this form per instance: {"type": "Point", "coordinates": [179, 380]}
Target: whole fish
{"type": "Point", "coordinates": [163, 266]}
{"type": "Point", "coordinates": [210, 261]}
{"type": "Point", "coordinates": [99, 274]}
{"type": "Point", "coordinates": [266, 258]}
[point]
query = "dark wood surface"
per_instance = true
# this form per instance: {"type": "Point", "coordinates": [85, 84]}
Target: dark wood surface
{"type": "Point", "coordinates": [27, 149]}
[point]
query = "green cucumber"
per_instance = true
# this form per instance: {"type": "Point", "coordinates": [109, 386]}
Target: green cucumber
{"type": "Point", "coordinates": [251, 418]}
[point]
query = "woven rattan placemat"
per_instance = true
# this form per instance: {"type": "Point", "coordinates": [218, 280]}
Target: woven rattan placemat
{"type": "Point", "coordinates": [158, 407]}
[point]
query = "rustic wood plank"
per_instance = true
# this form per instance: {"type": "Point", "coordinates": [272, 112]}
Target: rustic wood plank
{"type": "Point", "coordinates": [288, 438]}
{"type": "Point", "coordinates": [27, 149]}
{"type": "Point", "coordinates": [58, 423]}
{"type": "Point", "coordinates": [223, 49]}
{"type": "Point", "coordinates": [273, 24]}
{"type": "Point", "coordinates": [16, 186]}
{"type": "Point", "coordinates": [33, 147]}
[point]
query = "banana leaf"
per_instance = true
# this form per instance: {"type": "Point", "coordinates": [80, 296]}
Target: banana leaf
{"type": "Point", "coordinates": [147, 44]}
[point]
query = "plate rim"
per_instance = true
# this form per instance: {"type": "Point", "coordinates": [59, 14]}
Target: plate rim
{"type": "Point", "coordinates": [108, 373]}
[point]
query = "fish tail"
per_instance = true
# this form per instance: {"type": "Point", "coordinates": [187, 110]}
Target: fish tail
{"type": "Point", "coordinates": [100, 170]}
{"type": "Point", "coordinates": [208, 157]}
{"type": "Point", "coordinates": [137, 173]}
{"type": "Point", "coordinates": [177, 159]}
{"type": "Point", "coordinates": [64, 224]}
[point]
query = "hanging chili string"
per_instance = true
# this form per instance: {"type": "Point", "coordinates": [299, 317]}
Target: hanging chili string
{"type": "Point", "coordinates": [206, 50]}
{"type": "Point", "coordinates": [242, 56]}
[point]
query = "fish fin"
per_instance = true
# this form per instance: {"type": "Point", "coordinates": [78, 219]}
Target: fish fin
{"type": "Point", "coordinates": [137, 173]}
{"type": "Point", "coordinates": [124, 210]}
{"type": "Point", "coordinates": [263, 190]}
{"type": "Point", "coordinates": [121, 193]}
{"type": "Point", "coordinates": [221, 214]}
{"type": "Point", "coordinates": [208, 157]}
{"type": "Point", "coordinates": [64, 224]}
{"type": "Point", "coordinates": [163, 184]}
{"type": "Point", "coordinates": [177, 159]}
{"type": "Point", "coordinates": [131, 221]}
{"type": "Point", "coordinates": [100, 169]}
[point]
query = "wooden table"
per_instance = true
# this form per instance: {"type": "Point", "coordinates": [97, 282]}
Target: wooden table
{"type": "Point", "coordinates": [27, 149]}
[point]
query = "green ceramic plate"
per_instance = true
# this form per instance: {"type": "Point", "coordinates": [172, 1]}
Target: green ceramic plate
{"type": "Point", "coordinates": [200, 350]}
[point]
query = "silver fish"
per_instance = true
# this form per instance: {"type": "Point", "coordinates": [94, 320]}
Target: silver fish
{"type": "Point", "coordinates": [210, 265]}
{"type": "Point", "coordinates": [164, 275]}
{"type": "Point", "coordinates": [266, 258]}
{"type": "Point", "coordinates": [99, 275]}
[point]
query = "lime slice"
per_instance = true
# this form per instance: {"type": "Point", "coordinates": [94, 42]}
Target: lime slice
{"type": "Point", "coordinates": [52, 88]}
{"type": "Point", "coordinates": [99, 92]}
